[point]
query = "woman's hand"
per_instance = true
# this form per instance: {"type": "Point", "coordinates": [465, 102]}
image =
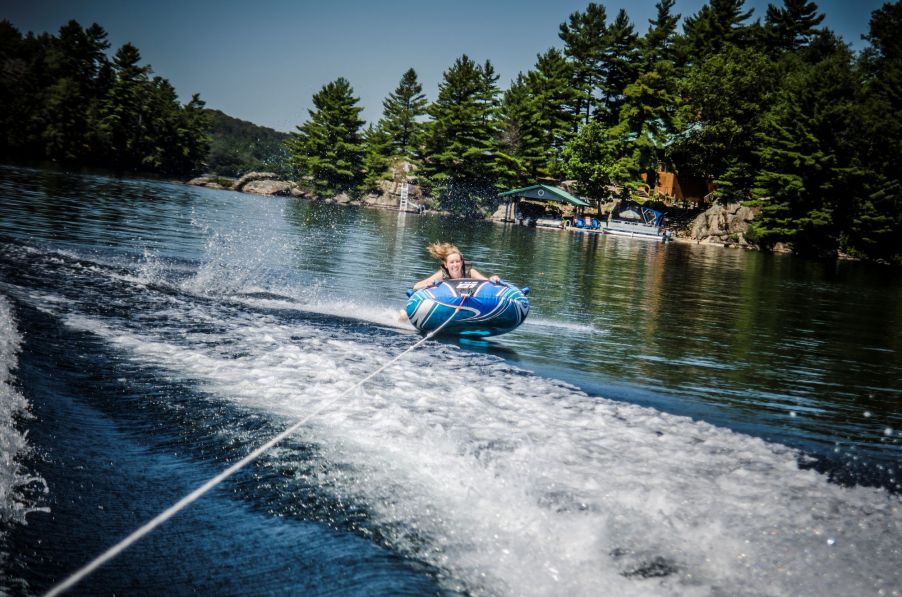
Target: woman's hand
{"type": "Point", "coordinates": [495, 279]}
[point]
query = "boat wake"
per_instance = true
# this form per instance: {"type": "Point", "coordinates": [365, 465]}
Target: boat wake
{"type": "Point", "coordinates": [20, 489]}
{"type": "Point", "coordinates": [502, 481]}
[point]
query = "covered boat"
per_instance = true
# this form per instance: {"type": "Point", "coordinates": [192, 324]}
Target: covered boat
{"type": "Point", "coordinates": [474, 307]}
{"type": "Point", "coordinates": [632, 219]}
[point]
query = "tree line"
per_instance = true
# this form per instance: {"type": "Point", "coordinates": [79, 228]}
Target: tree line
{"type": "Point", "coordinates": [63, 100]}
{"type": "Point", "coordinates": [779, 113]}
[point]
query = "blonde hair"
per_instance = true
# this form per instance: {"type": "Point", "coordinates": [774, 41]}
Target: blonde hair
{"type": "Point", "coordinates": [441, 251]}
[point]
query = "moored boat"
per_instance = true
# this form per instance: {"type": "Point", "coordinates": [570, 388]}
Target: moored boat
{"type": "Point", "coordinates": [637, 221]}
{"type": "Point", "coordinates": [468, 307]}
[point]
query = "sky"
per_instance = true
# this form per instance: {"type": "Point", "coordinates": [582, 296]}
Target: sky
{"type": "Point", "coordinates": [263, 61]}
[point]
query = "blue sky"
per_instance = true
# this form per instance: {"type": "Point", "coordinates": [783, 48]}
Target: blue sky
{"type": "Point", "coordinates": [263, 61]}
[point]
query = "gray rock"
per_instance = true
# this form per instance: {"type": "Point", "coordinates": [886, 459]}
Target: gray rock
{"type": "Point", "coordinates": [211, 182]}
{"type": "Point", "coordinates": [267, 187]}
{"type": "Point", "coordinates": [724, 224]}
{"type": "Point", "coordinates": [253, 176]}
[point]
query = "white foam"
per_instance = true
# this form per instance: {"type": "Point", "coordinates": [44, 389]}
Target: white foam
{"type": "Point", "coordinates": [383, 315]}
{"type": "Point", "coordinates": [515, 484]}
{"type": "Point", "coordinates": [14, 505]}
{"type": "Point", "coordinates": [569, 326]}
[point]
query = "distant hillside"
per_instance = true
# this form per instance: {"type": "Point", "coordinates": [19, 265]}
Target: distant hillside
{"type": "Point", "coordinates": [238, 147]}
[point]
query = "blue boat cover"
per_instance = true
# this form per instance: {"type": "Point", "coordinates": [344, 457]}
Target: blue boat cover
{"type": "Point", "coordinates": [475, 307]}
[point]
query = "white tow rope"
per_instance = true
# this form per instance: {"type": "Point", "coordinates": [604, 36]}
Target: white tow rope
{"type": "Point", "coordinates": [180, 505]}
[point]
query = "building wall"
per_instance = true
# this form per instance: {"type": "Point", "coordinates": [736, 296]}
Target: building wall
{"type": "Point", "coordinates": [680, 188]}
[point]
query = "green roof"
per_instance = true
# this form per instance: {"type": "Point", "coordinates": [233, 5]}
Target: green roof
{"type": "Point", "coordinates": [544, 192]}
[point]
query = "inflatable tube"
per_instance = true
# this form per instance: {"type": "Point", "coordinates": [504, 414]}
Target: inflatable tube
{"type": "Point", "coordinates": [479, 307]}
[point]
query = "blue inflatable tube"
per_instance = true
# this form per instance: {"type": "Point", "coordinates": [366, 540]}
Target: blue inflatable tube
{"type": "Point", "coordinates": [475, 307]}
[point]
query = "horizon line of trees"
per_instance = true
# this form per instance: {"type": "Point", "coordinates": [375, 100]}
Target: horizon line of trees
{"type": "Point", "coordinates": [778, 113]}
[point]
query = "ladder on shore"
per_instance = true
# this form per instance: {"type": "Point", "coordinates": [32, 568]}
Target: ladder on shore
{"type": "Point", "coordinates": [404, 204]}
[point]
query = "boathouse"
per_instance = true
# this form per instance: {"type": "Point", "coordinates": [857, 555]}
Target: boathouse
{"type": "Point", "coordinates": [542, 193]}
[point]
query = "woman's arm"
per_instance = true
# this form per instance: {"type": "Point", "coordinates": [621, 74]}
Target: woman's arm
{"type": "Point", "coordinates": [436, 277]}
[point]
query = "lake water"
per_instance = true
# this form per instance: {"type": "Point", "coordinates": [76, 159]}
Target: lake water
{"type": "Point", "coordinates": [670, 420]}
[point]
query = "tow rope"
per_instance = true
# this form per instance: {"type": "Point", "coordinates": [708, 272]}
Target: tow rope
{"type": "Point", "coordinates": [180, 505]}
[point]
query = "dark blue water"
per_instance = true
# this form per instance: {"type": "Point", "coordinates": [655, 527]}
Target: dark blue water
{"type": "Point", "coordinates": [671, 419]}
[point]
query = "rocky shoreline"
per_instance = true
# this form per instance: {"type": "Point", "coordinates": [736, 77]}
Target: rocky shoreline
{"type": "Point", "coordinates": [723, 225]}
{"type": "Point", "coordinates": [269, 183]}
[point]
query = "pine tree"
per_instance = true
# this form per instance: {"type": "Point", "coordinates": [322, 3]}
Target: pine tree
{"type": "Point", "coordinates": [522, 137]}
{"type": "Point", "coordinates": [380, 147]}
{"type": "Point", "coordinates": [179, 144]}
{"type": "Point", "coordinates": [658, 43]}
{"type": "Point", "coordinates": [159, 113]}
{"type": "Point", "coordinates": [877, 220]}
{"type": "Point", "coordinates": [328, 150]}
{"type": "Point", "coordinates": [123, 126]}
{"type": "Point", "coordinates": [792, 27]}
{"type": "Point", "coordinates": [647, 119]}
{"type": "Point", "coordinates": [716, 24]}
{"type": "Point", "coordinates": [398, 133]}
{"type": "Point", "coordinates": [652, 101]}
{"type": "Point", "coordinates": [400, 111]}
{"type": "Point", "coordinates": [462, 141]}
{"type": "Point", "coordinates": [552, 93]}
{"type": "Point", "coordinates": [619, 67]}
{"type": "Point", "coordinates": [192, 137]}
{"type": "Point", "coordinates": [76, 62]}
{"type": "Point", "coordinates": [792, 162]}
{"type": "Point", "coordinates": [487, 98]}
{"type": "Point", "coordinates": [585, 39]}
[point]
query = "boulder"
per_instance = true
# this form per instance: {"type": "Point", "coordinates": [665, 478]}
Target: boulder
{"type": "Point", "coordinates": [724, 224]}
{"type": "Point", "coordinates": [211, 182]}
{"type": "Point", "coordinates": [267, 187]}
{"type": "Point", "coordinates": [253, 176]}
{"type": "Point", "coordinates": [782, 248]}
{"type": "Point", "coordinates": [500, 213]}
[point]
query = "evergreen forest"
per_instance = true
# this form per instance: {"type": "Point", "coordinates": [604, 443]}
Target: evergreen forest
{"type": "Point", "coordinates": [64, 100]}
{"type": "Point", "coordinates": [774, 111]}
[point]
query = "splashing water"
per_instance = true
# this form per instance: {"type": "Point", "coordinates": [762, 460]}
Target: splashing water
{"type": "Point", "coordinates": [18, 488]}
